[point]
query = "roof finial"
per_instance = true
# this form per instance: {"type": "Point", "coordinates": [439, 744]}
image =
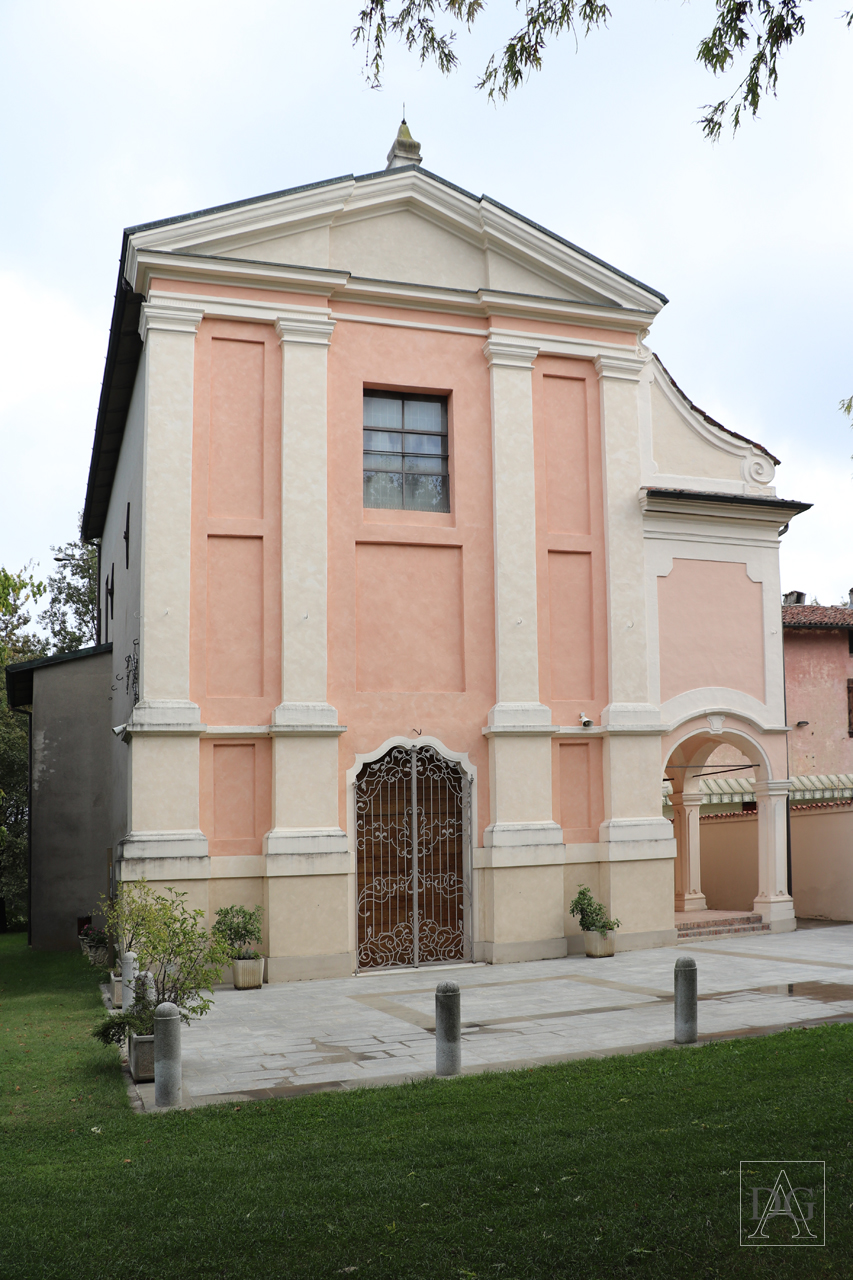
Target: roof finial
{"type": "Point", "coordinates": [404, 149]}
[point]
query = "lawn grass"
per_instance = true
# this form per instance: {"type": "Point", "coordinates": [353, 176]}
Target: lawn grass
{"type": "Point", "coordinates": [593, 1169]}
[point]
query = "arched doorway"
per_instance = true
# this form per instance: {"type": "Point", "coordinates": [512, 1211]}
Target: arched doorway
{"type": "Point", "coordinates": [413, 822]}
{"type": "Point", "coordinates": [686, 766]}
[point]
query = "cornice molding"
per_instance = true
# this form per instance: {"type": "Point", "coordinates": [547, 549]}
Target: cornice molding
{"type": "Point", "coordinates": [621, 368]}
{"type": "Point", "coordinates": [696, 505]}
{"type": "Point", "coordinates": [510, 353]}
{"type": "Point", "coordinates": [171, 318]}
{"type": "Point", "coordinates": [305, 326]}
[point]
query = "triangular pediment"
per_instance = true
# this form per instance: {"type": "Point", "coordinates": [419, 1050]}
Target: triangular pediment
{"type": "Point", "coordinates": [405, 225]}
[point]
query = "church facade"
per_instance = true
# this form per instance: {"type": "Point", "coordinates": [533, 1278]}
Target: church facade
{"type": "Point", "coordinates": [421, 573]}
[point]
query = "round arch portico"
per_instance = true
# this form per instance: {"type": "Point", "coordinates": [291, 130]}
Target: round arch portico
{"type": "Point", "coordinates": [684, 759]}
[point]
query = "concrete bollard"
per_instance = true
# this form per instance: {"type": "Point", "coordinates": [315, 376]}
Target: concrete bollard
{"type": "Point", "coordinates": [448, 1029]}
{"type": "Point", "coordinates": [686, 998]}
{"type": "Point", "coordinates": [149, 986]}
{"type": "Point", "coordinates": [167, 1056]}
{"type": "Point", "coordinates": [128, 974]}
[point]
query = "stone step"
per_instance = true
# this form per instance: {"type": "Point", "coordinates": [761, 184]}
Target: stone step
{"type": "Point", "coordinates": [708, 921]}
{"type": "Point", "coordinates": [720, 931]}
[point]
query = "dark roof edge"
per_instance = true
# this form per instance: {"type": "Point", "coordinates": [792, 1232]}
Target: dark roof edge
{"type": "Point", "coordinates": [19, 689]}
{"type": "Point", "coordinates": [734, 499]}
{"type": "Point", "coordinates": [52, 659]}
{"type": "Point", "coordinates": [235, 204]}
{"type": "Point", "coordinates": [713, 421]}
{"type": "Point", "coordinates": [128, 346]}
{"type": "Point", "coordinates": [817, 626]}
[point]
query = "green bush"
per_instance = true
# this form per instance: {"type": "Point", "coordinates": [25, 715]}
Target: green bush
{"type": "Point", "coordinates": [593, 917]}
{"type": "Point", "coordinates": [182, 960]}
{"type": "Point", "coordinates": [238, 927]}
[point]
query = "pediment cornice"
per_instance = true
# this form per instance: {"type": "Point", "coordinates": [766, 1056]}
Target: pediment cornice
{"type": "Point", "coordinates": [218, 235]}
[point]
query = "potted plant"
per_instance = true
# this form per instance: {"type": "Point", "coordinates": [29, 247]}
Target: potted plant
{"type": "Point", "coordinates": [115, 987]}
{"type": "Point", "coordinates": [184, 961]}
{"type": "Point", "coordinates": [598, 931]}
{"type": "Point", "coordinates": [95, 944]}
{"type": "Point", "coordinates": [239, 927]}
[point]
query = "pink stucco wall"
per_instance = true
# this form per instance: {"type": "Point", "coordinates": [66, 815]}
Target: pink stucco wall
{"type": "Point", "coordinates": [711, 629]}
{"type": "Point", "coordinates": [818, 665]}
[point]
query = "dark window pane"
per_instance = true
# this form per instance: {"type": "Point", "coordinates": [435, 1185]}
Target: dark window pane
{"type": "Point", "coordinates": [424, 415]}
{"type": "Point", "coordinates": [427, 493]}
{"type": "Point", "coordinates": [383, 490]}
{"type": "Point", "coordinates": [424, 465]}
{"type": "Point", "coordinates": [384, 441]}
{"type": "Point", "coordinates": [379, 412]}
{"type": "Point", "coordinates": [423, 444]}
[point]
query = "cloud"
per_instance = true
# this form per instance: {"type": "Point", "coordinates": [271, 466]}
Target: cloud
{"type": "Point", "coordinates": [51, 361]}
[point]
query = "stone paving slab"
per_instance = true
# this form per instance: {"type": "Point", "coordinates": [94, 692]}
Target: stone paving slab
{"type": "Point", "coordinates": [377, 1028]}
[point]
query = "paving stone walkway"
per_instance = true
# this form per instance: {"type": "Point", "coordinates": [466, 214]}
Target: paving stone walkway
{"type": "Point", "coordinates": [378, 1028]}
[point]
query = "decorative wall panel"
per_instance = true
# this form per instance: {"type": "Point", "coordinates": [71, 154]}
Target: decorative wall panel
{"type": "Point", "coordinates": [570, 594]}
{"type": "Point", "coordinates": [236, 461]}
{"type": "Point", "coordinates": [711, 619]}
{"type": "Point", "coordinates": [235, 617]}
{"type": "Point", "coordinates": [567, 454]}
{"type": "Point", "coordinates": [409, 619]}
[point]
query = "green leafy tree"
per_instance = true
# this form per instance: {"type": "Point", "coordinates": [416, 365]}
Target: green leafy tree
{"type": "Point", "coordinates": [750, 32]}
{"type": "Point", "coordinates": [17, 644]}
{"type": "Point", "coordinates": [71, 617]}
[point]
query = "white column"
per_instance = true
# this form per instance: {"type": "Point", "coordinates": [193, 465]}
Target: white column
{"type": "Point", "coordinates": [522, 872]}
{"type": "Point", "coordinates": [520, 726]}
{"type": "Point", "coordinates": [688, 878]}
{"type": "Point", "coordinates": [634, 830]}
{"type": "Point", "coordinates": [774, 901]}
{"type": "Point", "coordinates": [165, 725]}
{"type": "Point", "coordinates": [305, 728]}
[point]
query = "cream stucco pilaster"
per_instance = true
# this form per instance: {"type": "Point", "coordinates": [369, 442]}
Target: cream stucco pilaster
{"type": "Point", "coordinates": [774, 901]}
{"type": "Point", "coordinates": [164, 727]}
{"type": "Point", "coordinates": [688, 875]}
{"type": "Point", "coordinates": [307, 863]}
{"type": "Point", "coordinates": [523, 845]}
{"type": "Point", "coordinates": [634, 829]}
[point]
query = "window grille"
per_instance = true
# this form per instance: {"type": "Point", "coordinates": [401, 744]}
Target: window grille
{"type": "Point", "coordinates": [405, 452]}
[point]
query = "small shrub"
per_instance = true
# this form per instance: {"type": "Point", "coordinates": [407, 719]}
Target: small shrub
{"type": "Point", "coordinates": [183, 962]}
{"type": "Point", "coordinates": [593, 917]}
{"type": "Point", "coordinates": [238, 927]}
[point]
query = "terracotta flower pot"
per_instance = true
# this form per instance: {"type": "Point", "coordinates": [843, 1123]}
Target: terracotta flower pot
{"type": "Point", "coordinates": [248, 975]}
{"type": "Point", "coordinates": [598, 945]}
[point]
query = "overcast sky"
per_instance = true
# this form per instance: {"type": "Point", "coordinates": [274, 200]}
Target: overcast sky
{"type": "Point", "coordinates": [117, 114]}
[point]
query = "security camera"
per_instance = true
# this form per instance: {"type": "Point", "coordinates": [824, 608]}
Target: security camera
{"type": "Point", "coordinates": [586, 723]}
{"type": "Point", "coordinates": [119, 729]}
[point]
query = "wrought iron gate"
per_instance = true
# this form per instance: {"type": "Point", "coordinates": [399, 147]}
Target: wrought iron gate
{"type": "Point", "coordinates": [413, 816]}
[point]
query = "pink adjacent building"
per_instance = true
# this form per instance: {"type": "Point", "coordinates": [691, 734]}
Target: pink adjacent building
{"type": "Point", "coordinates": [423, 572]}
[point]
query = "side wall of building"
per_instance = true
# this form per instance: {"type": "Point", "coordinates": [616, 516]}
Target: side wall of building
{"type": "Point", "coordinates": [72, 772]}
{"type": "Point", "coordinates": [121, 560]}
{"type": "Point", "coordinates": [818, 666]}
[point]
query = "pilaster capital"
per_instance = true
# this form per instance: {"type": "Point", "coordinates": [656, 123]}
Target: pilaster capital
{"type": "Point", "coordinates": [625, 368]}
{"type": "Point", "coordinates": [772, 789]}
{"type": "Point", "coordinates": [172, 319]}
{"type": "Point", "coordinates": [305, 718]}
{"type": "Point", "coordinates": [307, 326]}
{"type": "Point", "coordinates": [509, 353]}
